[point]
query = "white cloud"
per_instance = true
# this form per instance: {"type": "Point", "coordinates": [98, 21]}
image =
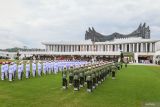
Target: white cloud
{"type": "Point", "coordinates": [29, 22]}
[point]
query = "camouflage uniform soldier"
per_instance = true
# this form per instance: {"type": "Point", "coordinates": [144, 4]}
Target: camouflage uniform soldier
{"type": "Point", "coordinates": [71, 77]}
{"type": "Point", "coordinates": [113, 72]}
{"type": "Point", "coordinates": [76, 81]}
{"type": "Point", "coordinates": [97, 76]}
{"type": "Point", "coordinates": [118, 66]}
{"type": "Point", "coordinates": [94, 80]}
{"type": "Point", "coordinates": [64, 79]}
{"type": "Point", "coordinates": [121, 65]}
{"type": "Point", "coordinates": [81, 79]}
{"type": "Point", "coordinates": [126, 64]}
{"type": "Point", "coordinates": [89, 83]}
{"type": "Point", "coordinates": [85, 77]}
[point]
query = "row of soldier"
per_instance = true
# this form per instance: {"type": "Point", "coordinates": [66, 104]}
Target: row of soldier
{"type": "Point", "coordinates": [91, 75]}
{"type": "Point", "coordinates": [28, 69]}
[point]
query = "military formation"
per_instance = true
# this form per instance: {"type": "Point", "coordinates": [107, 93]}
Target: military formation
{"type": "Point", "coordinates": [75, 74]}
{"type": "Point", "coordinates": [89, 75]}
{"type": "Point", "coordinates": [27, 69]}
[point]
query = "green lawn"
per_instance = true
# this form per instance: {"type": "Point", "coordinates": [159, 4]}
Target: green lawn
{"type": "Point", "coordinates": [133, 86]}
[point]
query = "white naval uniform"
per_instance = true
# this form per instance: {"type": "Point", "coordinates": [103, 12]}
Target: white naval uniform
{"type": "Point", "coordinates": [11, 72]}
{"type": "Point", "coordinates": [14, 70]}
{"type": "Point", "coordinates": [2, 72]}
{"type": "Point", "coordinates": [22, 69]}
{"type": "Point", "coordinates": [27, 70]}
{"type": "Point", "coordinates": [19, 72]}
{"type": "Point", "coordinates": [49, 67]}
{"type": "Point", "coordinates": [33, 69]}
{"type": "Point", "coordinates": [6, 70]}
{"type": "Point", "coordinates": [52, 67]}
{"type": "Point", "coordinates": [44, 68]}
{"type": "Point", "coordinates": [55, 68]}
{"type": "Point", "coordinates": [39, 69]}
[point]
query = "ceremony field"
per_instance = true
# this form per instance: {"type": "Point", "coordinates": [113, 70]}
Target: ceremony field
{"type": "Point", "coordinates": [133, 87]}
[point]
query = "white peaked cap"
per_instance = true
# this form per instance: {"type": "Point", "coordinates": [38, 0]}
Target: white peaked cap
{"type": "Point", "coordinates": [89, 67]}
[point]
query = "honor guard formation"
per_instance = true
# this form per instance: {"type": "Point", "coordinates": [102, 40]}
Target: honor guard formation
{"type": "Point", "coordinates": [76, 74]}
{"type": "Point", "coordinates": [27, 69]}
{"type": "Point", "coordinates": [89, 75]}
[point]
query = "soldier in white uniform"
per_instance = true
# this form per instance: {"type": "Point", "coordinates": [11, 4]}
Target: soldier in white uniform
{"type": "Point", "coordinates": [11, 72]}
{"type": "Point", "coordinates": [3, 71]}
{"type": "Point", "coordinates": [20, 71]}
{"type": "Point", "coordinates": [44, 68]}
{"type": "Point", "coordinates": [28, 69]}
{"type": "Point", "coordinates": [52, 67]}
{"type": "Point", "coordinates": [39, 69]}
{"type": "Point", "coordinates": [6, 70]}
{"type": "Point", "coordinates": [55, 68]}
{"type": "Point", "coordinates": [49, 67]}
{"type": "Point", "coordinates": [34, 69]}
{"type": "Point", "coordinates": [14, 70]}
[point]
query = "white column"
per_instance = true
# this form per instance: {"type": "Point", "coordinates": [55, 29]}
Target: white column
{"type": "Point", "coordinates": [60, 48]}
{"type": "Point", "coordinates": [133, 47]}
{"type": "Point", "coordinates": [64, 48]}
{"type": "Point", "coordinates": [107, 47]}
{"type": "Point", "coordinates": [141, 47]}
{"type": "Point", "coordinates": [129, 47]}
{"type": "Point", "coordinates": [137, 47]}
{"type": "Point", "coordinates": [125, 47]}
{"type": "Point", "coordinates": [115, 47]}
{"type": "Point", "coordinates": [50, 48]}
{"type": "Point", "coordinates": [46, 47]}
{"type": "Point", "coordinates": [101, 47]}
{"type": "Point", "coordinates": [146, 47]}
{"type": "Point", "coordinates": [150, 47]}
{"type": "Point", "coordinates": [112, 47]}
{"type": "Point", "coordinates": [54, 47]}
{"type": "Point", "coordinates": [78, 47]}
{"type": "Point", "coordinates": [71, 48]}
{"type": "Point", "coordinates": [122, 47]}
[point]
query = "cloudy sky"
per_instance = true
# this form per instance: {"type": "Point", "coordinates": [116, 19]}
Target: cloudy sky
{"type": "Point", "coordinates": [30, 22]}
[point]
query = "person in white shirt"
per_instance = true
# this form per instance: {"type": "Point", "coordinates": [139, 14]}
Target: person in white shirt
{"type": "Point", "coordinates": [6, 70]}
{"type": "Point", "coordinates": [44, 68]}
{"type": "Point", "coordinates": [11, 72]}
{"type": "Point", "coordinates": [39, 69]}
{"type": "Point", "coordinates": [14, 70]}
{"type": "Point", "coordinates": [49, 67]}
{"type": "Point", "coordinates": [3, 71]}
{"type": "Point", "coordinates": [27, 69]}
{"type": "Point", "coordinates": [34, 69]}
{"type": "Point", "coordinates": [20, 71]}
{"type": "Point", "coordinates": [55, 68]}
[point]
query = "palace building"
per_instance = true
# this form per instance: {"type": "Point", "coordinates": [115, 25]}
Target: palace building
{"type": "Point", "coordinates": [138, 44]}
{"type": "Point", "coordinates": [137, 47]}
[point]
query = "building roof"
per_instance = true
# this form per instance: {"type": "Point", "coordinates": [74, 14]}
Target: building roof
{"type": "Point", "coordinates": [115, 41]}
